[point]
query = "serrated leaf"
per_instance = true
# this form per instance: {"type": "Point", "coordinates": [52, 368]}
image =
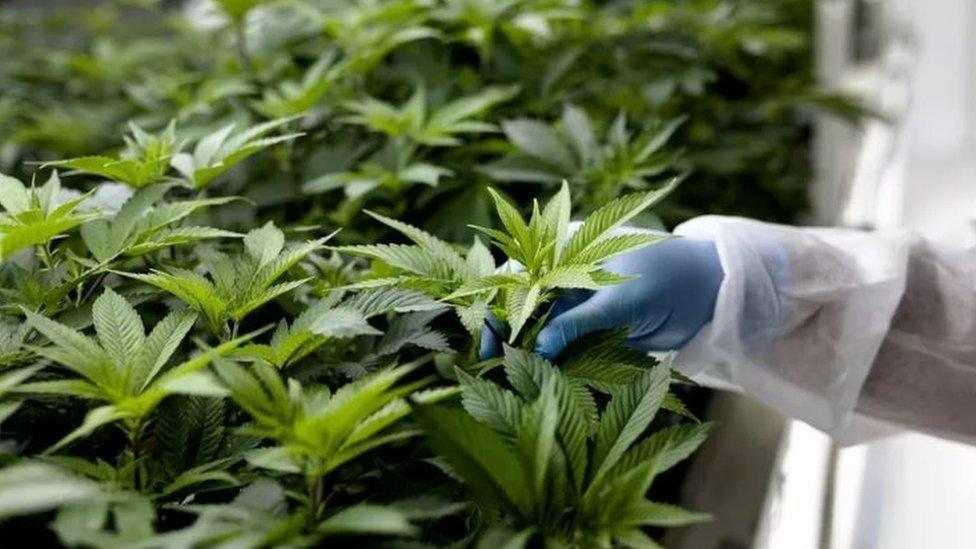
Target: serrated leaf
{"type": "Point", "coordinates": [611, 216]}
{"type": "Point", "coordinates": [570, 277]}
{"type": "Point", "coordinates": [490, 404]}
{"type": "Point", "coordinates": [650, 513]}
{"type": "Point", "coordinates": [666, 447]}
{"type": "Point", "coordinates": [444, 251]}
{"type": "Point", "coordinates": [265, 243]}
{"type": "Point", "coordinates": [158, 347]}
{"type": "Point", "coordinates": [578, 129]}
{"type": "Point", "coordinates": [479, 455]}
{"type": "Point", "coordinates": [343, 322]}
{"type": "Point", "coordinates": [118, 326]}
{"type": "Point", "coordinates": [13, 195]}
{"type": "Point", "coordinates": [556, 215]}
{"type": "Point", "coordinates": [488, 283]}
{"type": "Point", "coordinates": [630, 411]}
{"type": "Point", "coordinates": [615, 245]}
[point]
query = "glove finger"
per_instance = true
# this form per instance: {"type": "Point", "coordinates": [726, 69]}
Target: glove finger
{"type": "Point", "coordinates": [589, 316]}
{"type": "Point", "coordinates": [671, 333]}
{"type": "Point", "coordinates": [491, 346]}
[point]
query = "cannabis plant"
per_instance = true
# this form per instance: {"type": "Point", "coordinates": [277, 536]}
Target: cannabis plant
{"type": "Point", "coordinates": [601, 168]}
{"type": "Point", "coordinates": [545, 458]}
{"type": "Point", "coordinates": [124, 369]}
{"type": "Point", "coordinates": [550, 259]}
{"type": "Point", "coordinates": [552, 465]}
{"type": "Point", "coordinates": [34, 216]}
{"type": "Point", "coordinates": [239, 283]}
{"type": "Point", "coordinates": [191, 355]}
{"type": "Point", "coordinates": [147, 158]}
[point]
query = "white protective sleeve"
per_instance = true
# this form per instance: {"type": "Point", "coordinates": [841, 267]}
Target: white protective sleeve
{"type": "Point", "coordinates": [846, 330]}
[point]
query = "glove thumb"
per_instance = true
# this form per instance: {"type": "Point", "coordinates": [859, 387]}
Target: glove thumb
{"type": "Point", "coordinates": [589, 316]}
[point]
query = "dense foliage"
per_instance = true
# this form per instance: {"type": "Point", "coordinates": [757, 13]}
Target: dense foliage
{"type": "Point", "coordinates": [413, 107]}
{"type": "Point", "coordinates": [246, 255]}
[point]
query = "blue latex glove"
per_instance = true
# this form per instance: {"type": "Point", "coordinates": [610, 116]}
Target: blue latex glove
{"type": "Point", "coordinates": [671, 299]}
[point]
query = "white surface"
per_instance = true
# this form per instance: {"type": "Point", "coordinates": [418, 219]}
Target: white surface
{"type": "Point", "coordinates": [794, 512]}
{"type": "Point", "coordinates": [914, 490]}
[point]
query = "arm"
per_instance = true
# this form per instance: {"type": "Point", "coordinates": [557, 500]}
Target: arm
{"type": "Point", "coordinates": [826, 325]}
{"type": "Point", "coordinates": [874, 325]}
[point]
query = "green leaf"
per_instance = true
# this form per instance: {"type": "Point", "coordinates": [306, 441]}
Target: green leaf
{"type": "Point", "coordinates": [13, 195]}
{"type": "Point", "coordinates": [219, 151]}
{"type": "Point", "coordinates": [444, 251]}
{"type": "Point", "coordinates": [537, 440]}
{"type": "Point", "coordinates": [479, 455]}
{"type": "Point", "coordinates": [342, 322]}
{"type": "Point", "coordinates": [636, 539]}
{"type": "Point", "coordinates": [264, 244]}
{"type": "Point", "coordinates": [666, 447]}
{"type": "Point", "coordinates": [31, 487]}
{"type": "Point", "coordinates": [385, 300]}
{"type": "Point", "coordinates": [412, 259]}
{"type": "Point", "coordinates": [556, 215]}
{"type": "Point", "coordinates": [570, 276]}
{"type": "Point", "coordinates": [366, 519]}
{"type": "Point", "coordinates": [578, 129]}
{"type": "Point", "coordinates": [145, 160]}
{"type": "Point", "coordinates": [488, 283]}
{"type": "Point", "coordinates": [159, 346]}
{"type": "Point", "coordinates": [649, 513]}
{"type": "Point", "coordinates": [119, 327]}
{"type": "Point", "coordinates": [521, 303]}
{"type": "Point", "coordinates": [629, 413]}
{"type": "Point", "coordinates": [609, 217]}
{"type": "Point", "coordinates": [74, 350]}
{"type": "Point", "coordinates": [490, 404]}
{"type": "Point", "coordinates": [528, 373]}
{"type": "Point", "coordinates": [537, 140]}
{"type": "Point", "coordinates": [510, 217]}
{"type": "Point", "coordinates": [615, 245]}
{"type": "Point", "coordinates": [479, 260]}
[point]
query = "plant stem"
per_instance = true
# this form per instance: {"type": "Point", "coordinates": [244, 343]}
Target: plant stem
{"type": "Point", "coordinates": [135, 437]}
{"type": "Point", "coordinates": [240, 38]}
{"type": "Point", "coordinates": [47, 257]}
{"type": "Point", "coordinates": [316, 493]}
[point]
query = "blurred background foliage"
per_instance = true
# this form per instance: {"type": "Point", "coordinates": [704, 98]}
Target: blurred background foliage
{"type": "Point", "coordinates": [412, 107]}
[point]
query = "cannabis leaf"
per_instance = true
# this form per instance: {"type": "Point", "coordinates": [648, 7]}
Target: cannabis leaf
{"type": "Point", "coordinates": [37, 215]}
{"type": "Point", "coordinates": [330, 319]}
{"type": "Point", "coordinates": [603, 168]}
{"type": "Point", "coordinates": [317, 431]}
{"type": "Point", "coordinates": [125, 368]}
{"type": "Point", "coordinates": [438, 128]}
{"type": "Point", "coordinates": [551, 260]}
{"type": "Point", "coordinates": [145, 159]}
{"type": "Point", "coordinates": [534, 455]}
{"type": "Point", "coordinates": [296, 97]}
{"type": "Point", "coordinates": [237, 284]}
{"type": "Point", "coordinates": [32, 487]}
{"type": "Point", "coordinates": [145, 224]}
{"type": "Point", "coordinates": [219, 151]}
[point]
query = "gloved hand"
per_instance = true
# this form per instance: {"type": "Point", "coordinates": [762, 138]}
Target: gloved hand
{"type": "Point", "coordinates": [672, 297]}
